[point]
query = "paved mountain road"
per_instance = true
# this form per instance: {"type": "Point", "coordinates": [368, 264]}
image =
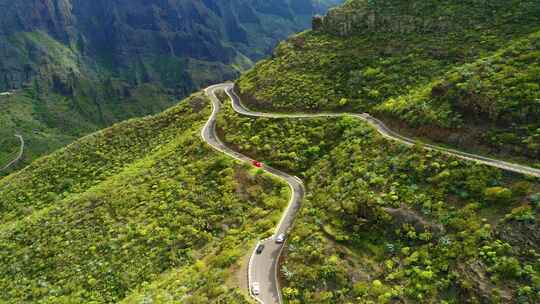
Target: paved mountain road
{"type": "Point", "coordinates": [263, 267]}
{"type": "Point", "coordinates": [389, 134]}
{"type": "Point", "coordinates": [19, 156]}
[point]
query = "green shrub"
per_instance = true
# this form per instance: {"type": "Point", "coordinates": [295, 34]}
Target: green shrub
{"type": "Point", "coordinates": [498, 194]}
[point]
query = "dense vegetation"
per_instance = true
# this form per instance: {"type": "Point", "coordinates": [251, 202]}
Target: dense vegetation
{"type": "Point", "coordinates": [500, 92]}
{"type": "Point", "coordinates": [383, 222]}
{"type": "Point", "coordinates": [49, 121]}
{"type": "Point", "coordinates": [401, 50]}
{"type": "Point", "coordinates": [141, 211]}
{"type": "Point", "coordinates": [271, 139]}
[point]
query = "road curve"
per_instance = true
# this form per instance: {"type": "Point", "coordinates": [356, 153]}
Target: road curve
{"type": "Point", "coordinates": [19, 156]}
{"type": "Point", "coordinates": [389, 134]}
{"type": "Point", "coordinates": [263, 268]}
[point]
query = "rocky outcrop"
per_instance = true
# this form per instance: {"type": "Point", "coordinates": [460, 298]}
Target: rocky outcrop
{"type": "Point", "coordinates": [520, 234]}
{"type": "Point", "coordinates": [405, 215]}
{"type": "Point", "coordinates": [481, 290]}
{"type": "Point", "coordinates": [402, 16]}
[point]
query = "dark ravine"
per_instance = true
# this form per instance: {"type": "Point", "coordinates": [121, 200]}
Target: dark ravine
{"type": "Point", "coordinates": [263, 268]}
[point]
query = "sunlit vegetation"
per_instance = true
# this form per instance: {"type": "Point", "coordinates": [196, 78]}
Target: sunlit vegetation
{"type": "Point", "coordinates": [382, 222]}
{"type": "Point", "coordinates": [145, 212]}
{"type": "Point", "coordinates": [461, 73]}
{"type": "Point", "coordinates": [274, 141]}
{"type": "Point", "coordinates": [501, 93]}
{"type": "Point", "coordinates": [142, 211]}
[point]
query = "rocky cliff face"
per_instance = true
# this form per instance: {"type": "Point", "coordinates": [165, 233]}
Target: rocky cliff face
{"type": "Point", "coordinates": [144, 40]}
{"type": "Point", "coordinates": [400, 16]}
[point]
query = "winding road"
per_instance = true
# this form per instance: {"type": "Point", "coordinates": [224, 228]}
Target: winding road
{"type": "Point", "coordinates": [263, 268]}
{"type": "Point", "coordinates": [19, 156]}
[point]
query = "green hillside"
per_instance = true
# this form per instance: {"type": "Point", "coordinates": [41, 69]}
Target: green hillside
{"type": "Point", "coordinates": [11, 147]}
{"type": "Point", "coordinates": [146, 212]}
{"type": "Point", "coordinates": [494, 101]}
{"type": "Point", "coordinates": [135, 211]}
{"type": "Point", "coordinates": [49, 120]}
{"type": "Point", "coordinates": [384, 223]}
{"type": "Point", "coordinates": [369, 54]}
{"type": "Point", "coordinates": [66, 100]}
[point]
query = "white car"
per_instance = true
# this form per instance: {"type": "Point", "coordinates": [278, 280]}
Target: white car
{"type": "Point", "coordinates": [280, 238]}
{"type": "Point", "coordinates": [255, 288]}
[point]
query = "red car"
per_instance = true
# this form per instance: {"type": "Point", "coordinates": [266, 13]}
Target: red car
{"type": "Point", "coordinates": [257, 164]}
